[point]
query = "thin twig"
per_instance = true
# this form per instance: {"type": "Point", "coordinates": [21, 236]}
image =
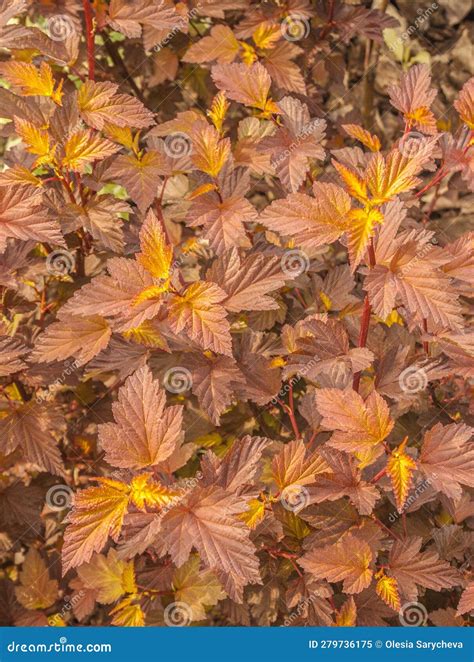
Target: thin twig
{"type": "Point", "coordinates": [89, 37]}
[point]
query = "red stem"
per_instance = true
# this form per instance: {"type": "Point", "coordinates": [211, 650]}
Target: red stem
{"type": "Point", "coordinates": [364, 332]}
{"type": "Point", "coordinates": [380, 475]}
{"type": "Point", "coordinates": [89, 37]}
{"type": "Point", "coordinates": [292, 409]}
{"type": "Point", "coordinates": [291, 414]}
{"type": "Point", "coordinates": [365, 321]}
{"type": "Point", "coordinates": [426, 346]}
{"type": "Point", "coordinates": [385, 528]}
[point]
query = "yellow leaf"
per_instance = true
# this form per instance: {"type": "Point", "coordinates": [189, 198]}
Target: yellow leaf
{"type": "Point", "coordinates": [123, 135]}
{"type": "Point", "coordinates": [97, 514]}
{"type": "Point", "coordinates": [293, 526]}
{"type": "Point", "coordinates": [196, 588]}
{"type": "Point", "coordinates": [361, 228]}
{"type": "Point", "coordinates": [400, 468]}
{"type": "Point", "coordinates": [326, 301]}
{"type": "Point", "coordinates": [156, 255]}
{"type": "Point", "coordinates": [266, 35]}
{"type": "Point", "coordinates": [85, 147]}
{"type": "Point", "coordinates": [422, 117]}
{"type": "Point", "coordinates": [204, 188]}
{"type": "Point", "coordinates": [19, 175]}
{"type": "Point", "coordinates": [219, 108]}
{"type": "Point", "coordinates": [144, 492]}
{"type": "Point", "coordinates": [464, 104]}
{"type": "Point", "coordinates": [128, 614]}
{"type": "Point", "coordinates": [393, 318]}
{"type": "Point", "coordinates": [362, 135]}
{"type": "Point", "coordinates": [36, 589]}
{"type": "Point", "coordinates": [152, 292]}
{"type": "Point", "coordinates": [389, 177]}
{"type": "Point", "coordinates": [35, 139]}
{"type": "Point", "coordinates": [146, 334]}
{"type": "Point", "coordinates": [255, 513]}
{"type": "Point", "coordinates": [366, 457]}
{"type": "Point", "coordinates": [347, 615]}
{"type": "Point", "coordinates": [387, 589]}
{"type": "Point", "coordinates": [248, 54]}
{"type": "Point", "coordinates": [355, 185]}
{"type": "Point", "coordinates": [210, 151]}
{"type": "Point", "coordinates": [109, 576]}
{"type": "Point", "coordinates": [56, 620]}
{"type": "Point", "coordinates": [270, 109]}
{"type": "Point", "coordinates": [30, 80]}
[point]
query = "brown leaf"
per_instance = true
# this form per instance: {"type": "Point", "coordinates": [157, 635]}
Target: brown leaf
{"type": "Point", "coordinates": [447, 458]}
{"type": "Point", "coordinates": [349, 560]}
{"type": "Point", "coordinates": [145, 432]}
{"type": "Point", "coordinates": [206, 520]}
{"type": "Point", "coordinates": [410, 568]}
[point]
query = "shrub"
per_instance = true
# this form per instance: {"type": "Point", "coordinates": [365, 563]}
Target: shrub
{"type": "Point", "coordinates": [235, 352]}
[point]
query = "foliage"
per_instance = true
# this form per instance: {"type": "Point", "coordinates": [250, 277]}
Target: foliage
{"type": "Point", "coordinates": [235, 349]}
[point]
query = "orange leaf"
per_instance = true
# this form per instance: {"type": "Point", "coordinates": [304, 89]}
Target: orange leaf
{"type": "Point", "coordinates": [355, 185]}
{"type": "Point", "coordinates": [362, 135]}
{"type": "Point", "coordinates": [387, 589]}
{"type": "Point", "coordinates": [36, 140]}
{"type": "Point", "coordinates": [85, 147]}
{"type": "Point", "coordinates": [210, 151]}
{"type": "Point", "coordinates": [31, 81]}
{"type": "Point", "coordinates": [97, 514]}
{"type": "Point", "coordinates": [400, 468]}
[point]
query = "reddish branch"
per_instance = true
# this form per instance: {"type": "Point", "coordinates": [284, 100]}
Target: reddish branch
{"type": "Point", "coordinates": [365, 321]}
{"type": "Point", "coordinates": [380, 475]}
{"type": "Point", "coordinates": [89, 37]}
{"type": "Point", "coordinates": [291, 415]}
